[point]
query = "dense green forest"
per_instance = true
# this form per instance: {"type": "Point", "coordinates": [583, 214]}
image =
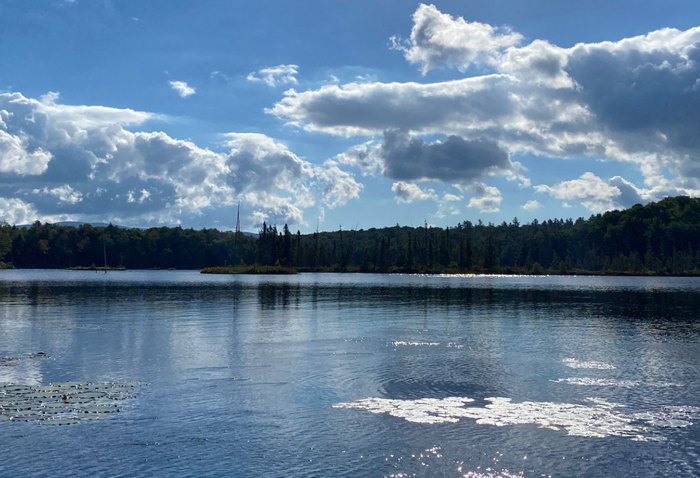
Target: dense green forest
{"type": "Point", "coordinates": [658, 238]}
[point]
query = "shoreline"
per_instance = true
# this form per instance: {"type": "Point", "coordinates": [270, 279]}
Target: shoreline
{"type": "Point", "coordinates": [274, 270]}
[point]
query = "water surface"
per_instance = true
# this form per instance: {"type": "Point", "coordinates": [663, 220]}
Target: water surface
{"type": "Point", "coordinates": [358, 375]}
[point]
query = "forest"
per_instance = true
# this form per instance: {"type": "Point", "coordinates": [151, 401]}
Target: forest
{"type": "Point", "coordinates": [661, 238]}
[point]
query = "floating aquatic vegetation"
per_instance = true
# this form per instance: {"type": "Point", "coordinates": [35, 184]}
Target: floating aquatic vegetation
{"type": "Point", "coordinates": [63, 403]}
{"type": "Point", "coordinates": [605, 382]}
{"type": "Point", "coordinates": [573, 363]}
{"type": "Point", "coordinates": [14, 360]}
{"type": "Point", "coordinates": [598, 418]}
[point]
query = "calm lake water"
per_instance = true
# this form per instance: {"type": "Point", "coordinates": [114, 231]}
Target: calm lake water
{"type": "Point", "coordinates": [354, 375]}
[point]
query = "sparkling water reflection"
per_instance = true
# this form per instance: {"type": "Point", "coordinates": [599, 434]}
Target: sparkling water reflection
{"type": "Point", "coordinates": [245, 376]}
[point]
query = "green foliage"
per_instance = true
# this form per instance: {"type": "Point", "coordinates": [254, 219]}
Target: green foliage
{"type": "Point", "coordinates": [51, 246]}
{"type": "Point", "coordinates": [659, 238]}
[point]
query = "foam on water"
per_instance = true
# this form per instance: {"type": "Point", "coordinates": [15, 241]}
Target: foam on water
{"type": "Point", "coordinates": [402, 343]}
{"type": "Point", "coordinates": [406, 343]}
{"type": "Point", "coordinates": [492, 474]}
{"type": "Point", "coordinates": [574, 363]}
{"type": "Point", "coordinates": [598, 382]}
{"type": "Point", "coordinates": [598, 418]}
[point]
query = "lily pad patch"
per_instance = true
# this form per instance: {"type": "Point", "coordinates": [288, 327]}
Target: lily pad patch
{"type": "Point", "coordinates": [65, 403]}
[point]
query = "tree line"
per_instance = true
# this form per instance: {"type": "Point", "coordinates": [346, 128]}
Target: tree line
{"type": "Point", "coordinates": [658, 238]}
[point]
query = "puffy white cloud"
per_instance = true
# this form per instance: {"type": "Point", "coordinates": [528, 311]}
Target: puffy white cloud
{"type": "Point", "coordinates": [439, 40]}
{"type": "Point", "coordinates": [596, 194]}
{"type": "Point", "coordinates": [409, 192]}
{"type": "Point", "coordinates": [486, 198]}
{"type": "Point", "coordinates": [271, 175]}
{"type": "Point", "coordinates": [275, 75]}
{"type": "Point", "coordinates": [532, 205]}
{"type": "Point", "coordinates": [629, 193]}
{"type": "Point", "coordinates": [641, 90]}
{"type": "Point", "coordinates": [371, 108]}
{"type": "Point", "coordinates": [15, 159]}
{"type": "Point", "coordinates": [182, 88]}
{"type": "Point", "coordinates": [634, 100]}
{"type": "Point", "coordinates": [262, 163]}
{"type": "Point", "coordinates": [539, 62]}
{"type": "Point", "coordinates": [65, 194]}
{"type": "Point", "coordinates": [87, 165]}
{"type": "Point", "coordinates": [366, 157]}
{"type": "Point", "coordinates": [16, 211]}
{"type": "Point", "coordinates": [138, 196]}
{"type": "Point", "coordinates": [338, 185]}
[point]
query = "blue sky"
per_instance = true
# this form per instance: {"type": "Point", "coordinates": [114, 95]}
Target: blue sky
{"type": "Point", "coordinates": [352, 114]}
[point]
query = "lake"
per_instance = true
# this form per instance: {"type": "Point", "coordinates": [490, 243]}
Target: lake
{"type": "Point", "coordinates": [173, 373]}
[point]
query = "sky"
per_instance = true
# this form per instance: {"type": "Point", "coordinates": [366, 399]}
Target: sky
{"type": "Point", "coordinates": [344, 114]}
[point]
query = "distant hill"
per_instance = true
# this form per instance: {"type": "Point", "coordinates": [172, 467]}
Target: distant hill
{"type": "Point", "coordinates": [105, 224]}
{"type": "Point", "coordinates": [70, 224]}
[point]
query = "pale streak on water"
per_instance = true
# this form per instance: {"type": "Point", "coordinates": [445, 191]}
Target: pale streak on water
{"type": "Point", "coordinates": [331, 375]}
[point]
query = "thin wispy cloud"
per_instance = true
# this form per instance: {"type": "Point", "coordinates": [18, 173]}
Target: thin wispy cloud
{"type": "Point", "coordinates": [275, 75]}
{"type": "Point", "coordinates": [532, 205]}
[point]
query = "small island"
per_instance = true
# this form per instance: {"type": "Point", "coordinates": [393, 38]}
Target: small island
{"type": "Point", "coordinates": [254, 269]}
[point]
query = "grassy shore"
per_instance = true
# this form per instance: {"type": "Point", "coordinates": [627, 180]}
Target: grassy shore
{"type": "Point", "coordinates": [97, 268]}
{"type": "Point", "coordinates": [254, 269]}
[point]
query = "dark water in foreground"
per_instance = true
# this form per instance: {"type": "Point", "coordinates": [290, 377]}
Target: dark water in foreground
{"type": "Point", "coordinates": [327, 375]}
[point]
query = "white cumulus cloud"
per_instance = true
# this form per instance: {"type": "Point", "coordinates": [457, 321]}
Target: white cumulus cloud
{"type": "Point", "coordinates": [486, 198]}
{"type": "Point", "coordinates": [182, 88]}
{"type": "Point", "coordinates": [633, 100]}
{"type": "Point", "coordinates": [64, 194]}
{"type": "Point", "coordinates": [409, 192]}
{"type": "Point", "coordinates": [596, 194]}
{"type": "Point", "coordinates": [16, 211]}
{"type": "Point", "coordinates": [81, 162]}
{"type": "Point", "coordinates": [439, 40]}
{"type": "Point", "coordinates": [16, 159]}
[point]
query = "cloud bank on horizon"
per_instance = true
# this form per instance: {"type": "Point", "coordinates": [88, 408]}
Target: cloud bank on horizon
{"type": "Point", "coordinates": [634, 101]}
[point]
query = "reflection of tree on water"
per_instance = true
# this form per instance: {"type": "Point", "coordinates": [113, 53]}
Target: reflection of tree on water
{"type": "Point", "coordinates": [236, 292]}
{"type": "Point", "coordinates": [273, 296]}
